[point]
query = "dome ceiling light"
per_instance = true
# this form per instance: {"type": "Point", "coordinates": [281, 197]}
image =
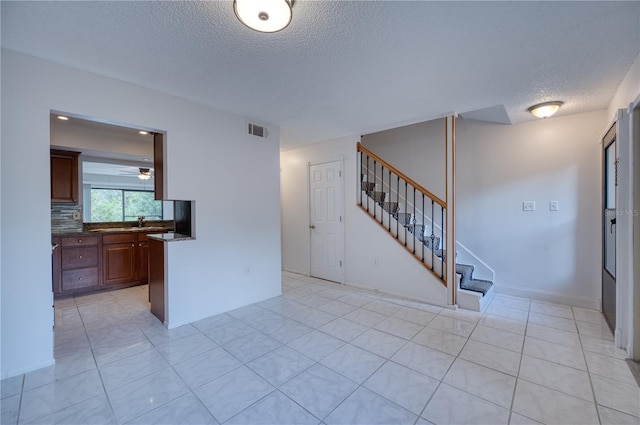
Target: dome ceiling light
{"type": "Point", "coordinates": [546, 109]}
{"type": "Point", "coordinates": [264, 15]}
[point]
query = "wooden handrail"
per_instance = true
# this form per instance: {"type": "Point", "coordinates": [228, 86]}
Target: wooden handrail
{"type": "Point", "coordinates": [400, 174]}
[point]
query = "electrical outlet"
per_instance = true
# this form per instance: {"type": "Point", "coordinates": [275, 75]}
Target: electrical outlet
{"type": "Point", "coordinates": [528, 206]}
{"type": "Point", "coordinates": [376, 262]}
{"type": "Point", "coordinates": [247, 269]}
{"type": "Point", "coordinates": [77, 215]}
{"type": "Point", "coordinates": [553, 205]}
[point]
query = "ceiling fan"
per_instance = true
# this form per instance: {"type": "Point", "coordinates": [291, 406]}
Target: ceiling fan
{"type": "Point", "coordinates": [143, 173]}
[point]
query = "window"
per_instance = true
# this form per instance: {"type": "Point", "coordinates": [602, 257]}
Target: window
{"type": "Point", "coordinates": [123, 205]}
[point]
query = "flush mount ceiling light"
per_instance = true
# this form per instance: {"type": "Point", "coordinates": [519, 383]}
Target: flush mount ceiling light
{"type": "Point", "coordinates": [145, 174]}
{"type": "Point", "coordinates": [63, 118]}
{"type": "Point", "coordinates": [264, 15]}
{"type": "Point", "coordinates": [546, 109]}
{"type": "Point", "coordinates": [142, 132]}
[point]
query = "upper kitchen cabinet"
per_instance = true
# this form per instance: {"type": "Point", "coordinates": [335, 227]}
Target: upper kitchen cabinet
{"type": "Point", "coordinates": [64, 177]}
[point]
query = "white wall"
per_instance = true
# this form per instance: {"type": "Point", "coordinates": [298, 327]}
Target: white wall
{"type": "Point", "coordinates": [542, 254]}
{"type": "Point", "coordinates": [403, 148]}
{"type": "Point", "coordinates": [238, 223]}
{"type": "Point", "coordinates": [87, 137]}
{"type": "Point", "coordinates": [398, 272]}
{"type": "Point", "coordinates": [627, 92]}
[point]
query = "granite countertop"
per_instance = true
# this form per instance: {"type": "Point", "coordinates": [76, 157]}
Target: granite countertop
{"type": "Point", "coordinates": [68, 232]}
{"type": "Point", "coordinates": [170, 237]}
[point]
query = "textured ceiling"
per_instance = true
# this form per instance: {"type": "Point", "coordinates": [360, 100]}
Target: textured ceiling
{"type": "Point", "coordinates": [346, 67]}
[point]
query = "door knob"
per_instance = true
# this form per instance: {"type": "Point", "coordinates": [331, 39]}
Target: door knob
{"type": "Point", "coordinates": [311, 226]}
{"type": "Point", "coordinates": [613, 223]}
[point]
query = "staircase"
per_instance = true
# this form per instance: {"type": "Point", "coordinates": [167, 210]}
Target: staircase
{"type": "Point", "coordinates": [416, 219]}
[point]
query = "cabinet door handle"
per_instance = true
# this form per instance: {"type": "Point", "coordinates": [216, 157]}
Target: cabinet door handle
{"type": "Point", "coordinates": [133, 245]}
{"type": "Point", "coordinates": [79, 240]}
{"type": "Point", "coordinates": [80, 257]}
{"type": "Point", "coordinates": [80, 278]}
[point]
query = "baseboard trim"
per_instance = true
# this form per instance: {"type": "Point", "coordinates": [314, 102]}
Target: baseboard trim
{"type": "Point", "coordinates": [549, 296]}
{"type": "Point", "coordinates": [27, 369]}
{"type": "Point", "coordinates": [393, 294]}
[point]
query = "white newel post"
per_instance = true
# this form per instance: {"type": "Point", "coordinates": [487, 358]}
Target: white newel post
{"type": "Point", "coordinates": [450, 140]}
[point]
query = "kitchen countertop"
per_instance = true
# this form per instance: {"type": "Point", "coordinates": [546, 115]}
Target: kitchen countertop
{"type": "Point", "coordinates": [170, 237]}
{"type": "Point", "coordinates": [67, 232]}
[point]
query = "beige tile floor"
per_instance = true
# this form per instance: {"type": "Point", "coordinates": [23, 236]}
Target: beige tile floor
{"type": "Point", "coordinates": [323, 353]}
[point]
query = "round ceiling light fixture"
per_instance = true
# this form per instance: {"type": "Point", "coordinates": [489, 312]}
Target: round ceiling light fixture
{"type": "Point", "coordinates": [546, 109]}
{"type": "Point", "coordinates": [264, 15]}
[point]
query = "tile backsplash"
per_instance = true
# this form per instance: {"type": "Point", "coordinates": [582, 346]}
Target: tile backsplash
{"type": "Point", "coordinates": [62, 218]}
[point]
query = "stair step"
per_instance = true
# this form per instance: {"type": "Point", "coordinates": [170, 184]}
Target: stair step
{"type": "Point", "coordinates": [403, 218]}
{"type": "Point", "coordinates": [367, 186]}
{"type": "Point", "coordinates": [432, 244]}
{"type": "Point", "coordinates": [466, 270]}
{"type": "Point", "coordinates": [390, 207]}
{"type": "Point", "coordinates": [376, 196]}
{"type": "Point", "coordinates": [477, 285]}
{"type": "Point", "coordinates": [417, 230]}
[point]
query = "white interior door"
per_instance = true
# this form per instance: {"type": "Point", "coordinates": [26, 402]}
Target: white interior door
{"type": "Point", "coordinates": [325, 220]}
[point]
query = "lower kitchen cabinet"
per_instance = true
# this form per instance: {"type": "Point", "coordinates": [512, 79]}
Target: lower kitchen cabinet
{"type": "Point", "coordinates": [118, 258]}
{"type": "Point", "coordinates": [76, 262]}
{"type": "Point", "coordinates": [84, 263]}
{"type": "Point", "coordinates": [125, 258]}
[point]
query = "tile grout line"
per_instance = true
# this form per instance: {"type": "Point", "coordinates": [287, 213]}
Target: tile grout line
{"type": "Point", "coordinates": [515, 387]}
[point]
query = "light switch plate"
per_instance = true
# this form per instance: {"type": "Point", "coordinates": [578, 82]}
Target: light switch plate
{"type": "Point", "coordinates": [553, 205]}
{"type": "Point", "coordinates": [77, 215]}
{"type": "Point", "coordinates": [529, 206]}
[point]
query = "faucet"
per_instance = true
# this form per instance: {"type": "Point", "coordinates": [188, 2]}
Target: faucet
{"type": "Point", "coordinates": [140, 220]}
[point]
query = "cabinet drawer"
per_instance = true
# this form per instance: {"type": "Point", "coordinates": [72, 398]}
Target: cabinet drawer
{"type": "Point", "coordinates": [79, 241]}
{"type": "Point", "coordinates": [80, 278]}
{"type": "Point", "coordinates": [80, 257]}
{"type": "Point", "coordinates": [119, 238]}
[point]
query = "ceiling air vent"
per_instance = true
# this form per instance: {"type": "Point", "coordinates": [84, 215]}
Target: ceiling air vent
{"type": "Point", "coordinates": [257, 130]}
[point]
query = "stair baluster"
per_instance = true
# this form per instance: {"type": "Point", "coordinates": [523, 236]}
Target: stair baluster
{"type": "Point", "coordinates": [414, 219]}
{"type": "Point", "coordinates": [405, 208]}
{"type": "Point", "coordinates": [377, 185]}
{"type": "Point", "coordinates": [390, 206]}
{"type": "Point", "coordinates": [398, 199]}
{"type": "Point", "coordinates": [423, 227]}
{"type": "Point", "coordinates": [375, 181]}
{"type": "Point", "coordinates": [433, 236]}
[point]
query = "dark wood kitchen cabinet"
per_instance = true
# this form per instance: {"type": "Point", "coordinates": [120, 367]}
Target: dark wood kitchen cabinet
{"type": "Point", "coordinates": [118, 258]}
{"type": "Point", "coordinates": [142, 258]}
{"type": "Point", "coordinates": [64, 177]}
{"type": "Point", "coordinates": [76, 263]}
{"type": "Point", "coordinates": [125, 258]}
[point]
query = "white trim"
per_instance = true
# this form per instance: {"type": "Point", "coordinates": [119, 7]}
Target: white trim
{"type": "Point", "coordinates": [300, 272]}
{"type": "Point", "coordinates": [395, 294]}
{"type": "Point", "coordinates": [549, 296]}
{"type": "Point", "coordinates": [28, 369]}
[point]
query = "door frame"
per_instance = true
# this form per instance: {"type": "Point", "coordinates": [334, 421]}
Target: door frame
{"type": "Point", "coordinates": [634, 332]}
{"type": "Point", "coordinates": [609, 139]}
{"type": "Point", "coordinates": [340, 160]}
{"type": "Point", "coordinates": [624, 327]}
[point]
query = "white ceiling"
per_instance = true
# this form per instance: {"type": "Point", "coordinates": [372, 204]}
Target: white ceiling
{"type": "Point", "coordinates": [346, 67]}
